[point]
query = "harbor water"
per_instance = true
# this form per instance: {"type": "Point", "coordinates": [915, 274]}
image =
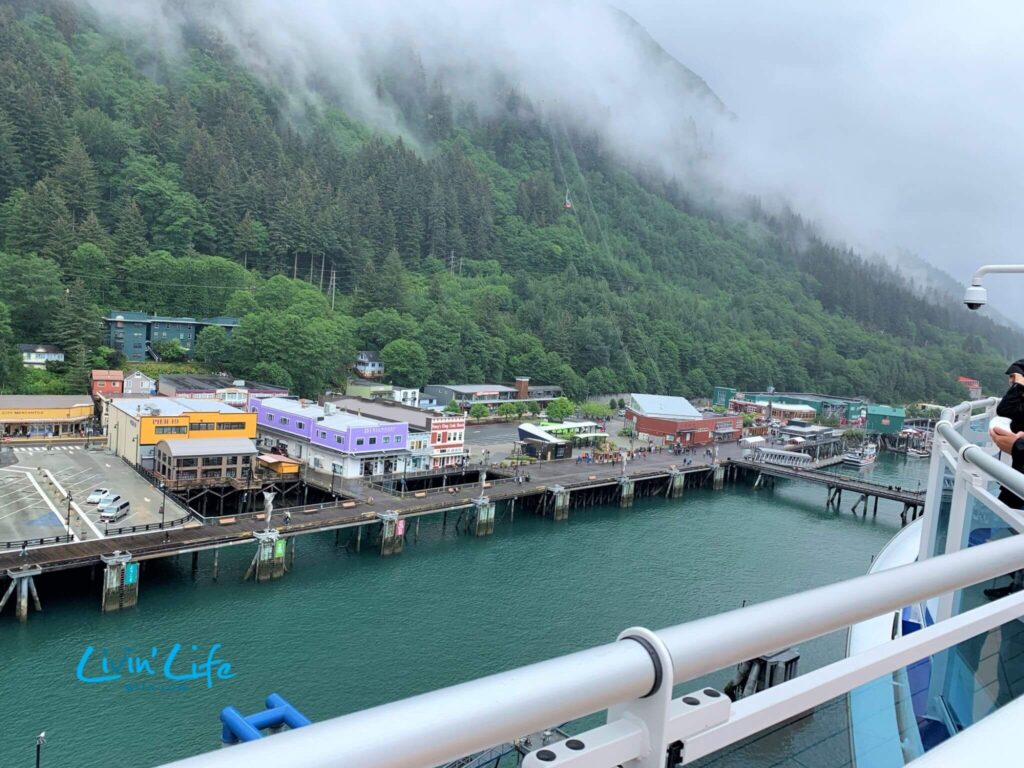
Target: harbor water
{"type": "Point", "coordinates": [345, 631]}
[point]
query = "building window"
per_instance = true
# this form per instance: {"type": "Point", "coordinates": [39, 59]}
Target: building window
{"type": "Point", "coordinates": [186, 463]}
{"type": "Point", "coordinates": [337, 439]}
{"type": "Point", "coordinates": [270, 417]}
{"type": "Point", "coordinates": [398, 439]}
{"type": "Point", "coordinates": [232, 472]}
{"type": "Point", "coordinates": [211, 473]}
{"type": "Point", "coordinates": [373, 441]}
{"type": "Point", "coordinates": [202, 426]}
{"type": "Point", "coordinates": [212, 461]}
{"type": "Point", "coordinates": [171, 430]}
{"type": "Point", "coordinates": [284, 419]}
{"type": "Point", "coordinates": [386, 440]}
{"type": "Point", "coordinates": [359, 441]}
{"type": "Point", "coordinates": [300, 425]}
{"type": "Point", "coordinates": [231, 425]}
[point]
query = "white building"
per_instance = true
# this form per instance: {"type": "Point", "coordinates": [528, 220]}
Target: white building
{"type": "Point", "coordinates": [138, 383]}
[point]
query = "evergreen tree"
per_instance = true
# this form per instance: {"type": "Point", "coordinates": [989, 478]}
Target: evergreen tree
{"type": "Point", "coordinates": [251, 240]}
{"type": "Point", "coordinates": [78, 325]}
{"type": "Point", "coordinates": [10, 358]}
{"type": "Point", "coordinates": [76, 176]}
{"type": "Point", "coordinates": [129, 232]}
{"type": "Point", "coordinates": [12, 171]}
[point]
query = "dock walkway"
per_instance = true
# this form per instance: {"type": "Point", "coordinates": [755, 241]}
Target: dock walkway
{"type": "Point", "coordinates": [345, 513]}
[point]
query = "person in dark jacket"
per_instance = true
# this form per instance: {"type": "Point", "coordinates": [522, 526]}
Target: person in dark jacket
{"type": "Point", "coordinates": [1012, 408]}
{"type": "Point", "coordinates": [1013, 444]}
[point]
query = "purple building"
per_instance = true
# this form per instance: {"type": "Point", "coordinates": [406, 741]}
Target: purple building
{"type": "Point", "coordinates": [329, 440]}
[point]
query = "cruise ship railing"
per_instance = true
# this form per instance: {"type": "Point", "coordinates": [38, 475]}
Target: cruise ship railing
{"type": "Point", "coordinates": [633, 678]}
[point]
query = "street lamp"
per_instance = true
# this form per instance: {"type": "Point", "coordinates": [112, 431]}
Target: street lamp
{"type": "Point", "coordinates": [40, 741]}
{"type": "Point", "coordinates": [975, 297]}
{"type": "Point", "coordinates": [69, 512]}
{"type": "Point", "coordinates": [163, 502]}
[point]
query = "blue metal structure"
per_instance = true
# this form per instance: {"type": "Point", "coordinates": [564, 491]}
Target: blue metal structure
{"type": "Point", "coordinates": [279, 713]}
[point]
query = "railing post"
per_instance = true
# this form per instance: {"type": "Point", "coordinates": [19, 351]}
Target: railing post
{"type": "Point", "coordinates": [933, 498]}
{"type": "Point", "coordinates": [958, 528]}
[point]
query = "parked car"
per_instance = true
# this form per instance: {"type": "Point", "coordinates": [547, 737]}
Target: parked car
{"type": "Point", "coordinates": [116, 511]}
{"type": "Point", "coordinates": [96, 496]}
{"type": "Point", "coordinates": [106, 498]}
{"type": "Point", "coordinates": [109, 500]}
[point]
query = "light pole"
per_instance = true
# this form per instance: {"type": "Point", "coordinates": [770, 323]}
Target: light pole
{"type": "Point", "coordinates": [40, 741]}
{"type": "Point", "coordinates": [163, 502]}
{"type": "Point", "coordinates": [69, 512]}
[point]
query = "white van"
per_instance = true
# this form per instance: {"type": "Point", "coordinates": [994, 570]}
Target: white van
{"type": "Point", "coordinates": [116, 510]}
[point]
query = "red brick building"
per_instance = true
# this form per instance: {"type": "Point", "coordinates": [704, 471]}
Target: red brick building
{"type": "Point", "coordinates": [106, 382]}
{"type": "Point", "coordinates": [669, 420]}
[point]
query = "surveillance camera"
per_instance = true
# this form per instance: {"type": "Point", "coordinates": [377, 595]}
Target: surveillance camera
{"type": "Point", "coordinates": [975, 297]}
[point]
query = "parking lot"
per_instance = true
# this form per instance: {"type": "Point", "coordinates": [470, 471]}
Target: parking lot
{"type": "Point", "coordinates": [29, 508]}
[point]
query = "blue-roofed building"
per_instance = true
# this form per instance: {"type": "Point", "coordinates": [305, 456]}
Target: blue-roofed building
{"type": "Point", "coordinates": [673, 421]}
{"type": "Point", "coordinates": [663, 407]}
{"type": "Point", "coordinates": [133, 334]}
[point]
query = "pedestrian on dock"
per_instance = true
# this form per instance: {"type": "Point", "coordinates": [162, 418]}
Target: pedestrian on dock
{"type": "Point", "coordinates": [287, 517]}
{"type": "Point", "coordinates": [24, 549]}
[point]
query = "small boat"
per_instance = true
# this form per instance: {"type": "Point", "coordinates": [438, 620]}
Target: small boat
{"type": "Point", "coordinates": [919, 453]}
{"type": "Point", "coordinates": [861, 457]}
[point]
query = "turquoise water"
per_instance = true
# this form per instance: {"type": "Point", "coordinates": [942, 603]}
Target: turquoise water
{"type": "Point", "coordinates": [345, 631]}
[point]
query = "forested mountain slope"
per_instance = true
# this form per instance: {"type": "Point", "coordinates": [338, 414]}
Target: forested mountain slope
{"type": "Point", "coordinates": [185, 186]}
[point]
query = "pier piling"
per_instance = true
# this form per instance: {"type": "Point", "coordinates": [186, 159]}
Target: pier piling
{"type": "Point", "coordinates": [676, 484]}
{"type": "Point", "coordinates": [120, 582]}
{"type": "Point", "coordinates": [483, 516]}
{"type": "Point", "coordinates": [392, 533]}
{"type": "Point", "coordinates": [626, 491]}
{"type": "Point", "coordinates": [560, 502]}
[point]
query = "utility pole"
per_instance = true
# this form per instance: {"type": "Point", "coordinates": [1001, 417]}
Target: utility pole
{"type": "Point", "coordinates": [323, 259]}
{"type": "Point", "coordinates": [330, 288]}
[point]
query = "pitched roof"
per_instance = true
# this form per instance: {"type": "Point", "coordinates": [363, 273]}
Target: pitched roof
{"type": "Point", "coordinates": [472, 389]}
{"type": "Point", "coordinates": [664, 406]}
{"type": "Point", "coordinates": [51, 348]}
{"type": "Point", "coordinates": [210, 446]}
{"type": "Point", "coordinates": [210, 383]}
{"type": "Point", "coordinates": [99, 374]}
{"type": "Point", "coordinates": [44, 401]}
{"type": "Point", "coordinates": [169, 406]}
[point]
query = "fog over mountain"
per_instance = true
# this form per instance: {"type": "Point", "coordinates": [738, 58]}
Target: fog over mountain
{"type": "Point", "coordinates": [895, 126]}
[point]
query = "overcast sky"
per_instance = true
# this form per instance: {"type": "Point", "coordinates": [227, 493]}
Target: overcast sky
{"type": "Point", "coordinates": [897, 124]}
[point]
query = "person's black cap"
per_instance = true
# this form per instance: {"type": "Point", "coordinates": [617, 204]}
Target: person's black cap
{"type": "Point", "coordinates": [1017, 367]}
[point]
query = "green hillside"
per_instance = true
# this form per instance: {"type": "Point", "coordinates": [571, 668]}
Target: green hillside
{"type": "Point", "coordinates": [185, 186]}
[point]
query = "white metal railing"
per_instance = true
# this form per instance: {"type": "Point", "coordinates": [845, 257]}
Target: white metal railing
{"type": "Point", "coordinates": [632, 678]}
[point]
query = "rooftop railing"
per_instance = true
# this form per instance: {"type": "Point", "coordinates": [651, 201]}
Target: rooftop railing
{"type": "Point", "coordinates": [632, 678]}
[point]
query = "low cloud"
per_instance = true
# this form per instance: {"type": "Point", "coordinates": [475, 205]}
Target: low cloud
{"type": "Point", "coordinates": [896, 126]}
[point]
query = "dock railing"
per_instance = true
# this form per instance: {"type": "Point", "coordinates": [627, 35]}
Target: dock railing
{"type": "Point", "coordinates": [633, 677]}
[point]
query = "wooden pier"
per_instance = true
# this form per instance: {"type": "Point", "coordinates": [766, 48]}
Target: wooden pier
{"type": "Point", "coordinates": [913, 501]}
{"type": "Point", "coordinates": [384, 521]}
